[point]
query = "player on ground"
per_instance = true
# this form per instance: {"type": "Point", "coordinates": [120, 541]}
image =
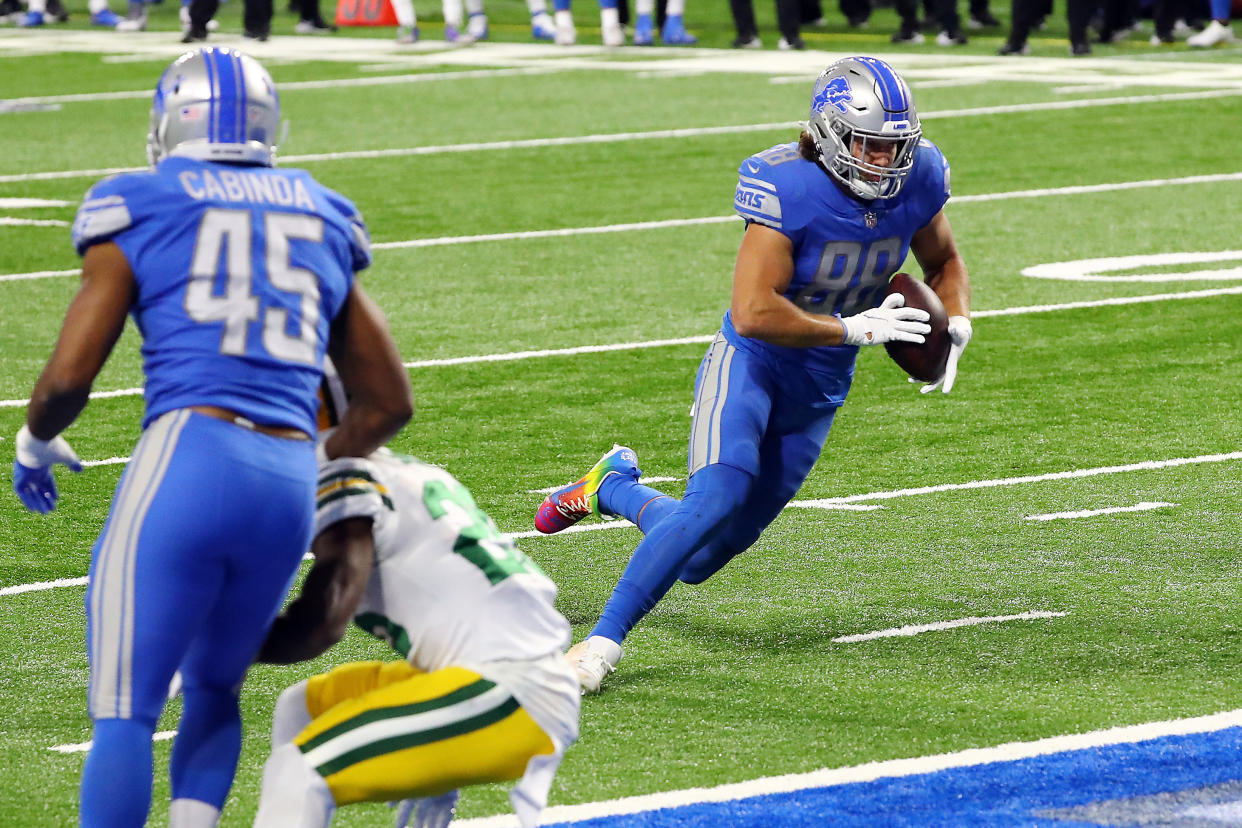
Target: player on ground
{"type": "Point", "coordinates": [239, 277]}
{"type": "Point", "coordinates": [485, 693]}
{"type": "Point", "coordinates": [829, 219]}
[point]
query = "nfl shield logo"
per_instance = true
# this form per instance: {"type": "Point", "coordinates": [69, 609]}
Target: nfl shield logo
{"type": "Point", "coordinates": [870, 219]}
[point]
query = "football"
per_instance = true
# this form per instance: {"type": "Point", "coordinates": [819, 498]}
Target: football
{"type": "Point", "coordinates": [923, 362]}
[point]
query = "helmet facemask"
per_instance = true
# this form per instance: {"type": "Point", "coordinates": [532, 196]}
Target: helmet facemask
{"type": "Point", "coordinates": [860, 105]}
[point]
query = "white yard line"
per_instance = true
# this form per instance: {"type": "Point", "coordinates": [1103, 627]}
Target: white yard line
{"type": "Point", "coordinates": [825, 503]}
{"type": "Point", "coordinates": [1145, 506]}
{"type": "Point", "coordinates": [160, 736]}
{"type": "Point", "coordinates": [917, 629]}
{"type": "Point", "coordinates": [563, 232]}
{"type": "Point", "coordinates": [704, 338]}
{"type": "Point", "coordinates": [293, 86]}
{"type": "Point", "coordinates": [28, 203]}
{"type": "Point", "coordinates": [646, 481]}
{"type": "Point", "coordinates": [38, 274]}
{"type": "Point", "coordinates": [659, 134]}
{"type": "Point", "coordinates": [558, 233]}
{"type": "Point", "coordinates": [43, 585]}
{"type": "Point", "coordinates": [7, 221]}
{"type": "Point", "coordinates": [1146, 465]}
{"type": "Point", "coordinates": [889, 769]}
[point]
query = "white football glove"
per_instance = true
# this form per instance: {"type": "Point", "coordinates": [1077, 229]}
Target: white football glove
{"type": "Point", "coordinates": [959, 336]}
{"type": "Point", "coordinates": [427, 812]}
{"type": "Point", "coordinates": [32, 470]}
{"type": "Point", "coordinates": [890, 322]}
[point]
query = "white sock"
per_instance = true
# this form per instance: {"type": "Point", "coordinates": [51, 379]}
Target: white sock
{"type": "Point", "coordinates": [644, 7]}
{"type": "Point", "coordinates": [452, 13]}
{"type": "Point", "coordinates": [474, 7]}
{"type": "Point", "coordinates": [564, 19]}
{"type": "Point", "coordinates": [37, 6]}
{"type": "Point", "coordinates": [192, 813]}
{"type": "Point", "coordinates": [537, 7]}
{"type": "Point", "coordinates": [404, 10]}
{"type": "Point", "coordinates": [293, 796]}
{"type": "Point", "coordinates": [96, 6]}
{"type": "Point", "coordinates": [675, 8]}
{"type": "Point", "coordinates": [290, 716]}
{"type": "Point", "coordinates": [609, 18]}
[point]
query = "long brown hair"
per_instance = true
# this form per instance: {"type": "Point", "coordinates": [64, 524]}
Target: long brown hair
{"type": "Point", "coordinates": [808, 147]}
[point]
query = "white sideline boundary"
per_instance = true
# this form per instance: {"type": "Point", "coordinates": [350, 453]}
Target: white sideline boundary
{"type": "Point", "coordinates": [826, 503]}
{"type": "Point", "coordinates": [705, 338]}
{"type": "Point", "coordinates": [870, 771]}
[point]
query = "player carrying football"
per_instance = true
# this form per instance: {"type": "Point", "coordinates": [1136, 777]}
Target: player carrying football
{"type": "Point", "coordinates": [483, 693]}
{"type": "Point", "coordinates": [829, 219]}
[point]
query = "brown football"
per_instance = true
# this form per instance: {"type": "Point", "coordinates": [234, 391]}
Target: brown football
{"type": "Point", "coordinates": [923, 362]}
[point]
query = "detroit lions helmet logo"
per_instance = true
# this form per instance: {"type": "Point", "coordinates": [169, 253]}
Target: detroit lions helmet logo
{"type": "Point", "coordinates": [836, 92]}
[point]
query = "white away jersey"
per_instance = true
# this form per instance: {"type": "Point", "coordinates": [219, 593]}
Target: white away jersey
{"type": "Point", "coordinates": [447, 587]}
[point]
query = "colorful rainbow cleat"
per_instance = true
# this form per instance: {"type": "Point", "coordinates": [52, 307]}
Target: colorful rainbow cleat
{"type": "Point", "coordinates": [570, 504]}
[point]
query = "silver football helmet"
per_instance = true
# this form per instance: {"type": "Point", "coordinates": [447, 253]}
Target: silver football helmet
{"type": "Point", "coordinates": [856, 103]}
{"type": "Point", "coordinates": [215, 104]}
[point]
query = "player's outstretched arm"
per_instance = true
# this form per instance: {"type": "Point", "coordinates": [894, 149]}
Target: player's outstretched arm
{"type": "Point", "coordinates": [92, 325]}
{"type": "Point", "coordinates": [367, 360]}
{"type": "Point", "coordinates": [945, 271]}
{"type": "Point", "coordinates": [319, 616]}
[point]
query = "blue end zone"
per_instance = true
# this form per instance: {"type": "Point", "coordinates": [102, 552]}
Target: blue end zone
{"type": "Point", "coordinates": [1172, 781]}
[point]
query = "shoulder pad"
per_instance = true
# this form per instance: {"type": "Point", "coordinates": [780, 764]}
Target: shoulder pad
{"type": "Point", "coordinates": [360, 238]}
{"type": "Point", "coordinates": [932, 167]}
{"type": "Point", "coordinates": [349, 487]}
{"type": "Point", "coordinates": [764, 181]}
{"type": "Point", "coordinates": [104, 212]}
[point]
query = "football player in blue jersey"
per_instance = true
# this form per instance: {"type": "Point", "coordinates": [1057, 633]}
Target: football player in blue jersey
{"type": "Point", "coordinates": [239, 276]}
{"type": "Point", "coordinates": [829, 219]}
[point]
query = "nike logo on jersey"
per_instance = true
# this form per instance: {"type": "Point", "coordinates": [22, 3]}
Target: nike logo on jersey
{"type": "Point", "coordinates": [752, 166]}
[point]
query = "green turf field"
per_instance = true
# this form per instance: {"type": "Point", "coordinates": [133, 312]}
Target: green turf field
{"type": "Point", "coordinates": [740, 677]}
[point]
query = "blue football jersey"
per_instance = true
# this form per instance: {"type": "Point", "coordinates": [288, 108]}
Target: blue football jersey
{"type": "Point", "coordinates": [240, 271]}
{"type": "Point", "coordinates": [845, 250]}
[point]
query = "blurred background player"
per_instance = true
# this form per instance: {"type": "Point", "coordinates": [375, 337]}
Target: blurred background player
{"type": "Point", "coordinates": [41, 12]}
{"type": "Point", "coordinates": [484, 693]}
{"type": "Point", "coordinates": [1217, 31]}
{"type": "Point", "coordinates": [672, 30]}
{"type": "Point", "coordinates": [239, 277]}
{"type": "Point", "coordinates": [829, 218]}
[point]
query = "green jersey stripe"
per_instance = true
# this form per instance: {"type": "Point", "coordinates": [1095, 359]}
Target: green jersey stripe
{"type": "Point", "coordinates": [408, 740]}
{"type": "Point", "coordinates": [459, 695]}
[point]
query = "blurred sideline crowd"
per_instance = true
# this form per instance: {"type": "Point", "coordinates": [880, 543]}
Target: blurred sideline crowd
{"type": "Point", "coordinates": [1201, 23]}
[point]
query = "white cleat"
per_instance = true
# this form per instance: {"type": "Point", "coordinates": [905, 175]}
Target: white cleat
{"type": "Point", "coordinates": [1215, 33]}
{"type": "Point", "coordinates": [613, 35]}
{"type": "Point", "coordinates": [566, 34]}
{"type": "Point", "coordinates": [593, 659]}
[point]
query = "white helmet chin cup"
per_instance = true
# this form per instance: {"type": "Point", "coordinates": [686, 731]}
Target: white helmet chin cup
{"type": "Point", "coordinates": [856, 103]}
{"type": "Point", "coordinates": [215, 104]}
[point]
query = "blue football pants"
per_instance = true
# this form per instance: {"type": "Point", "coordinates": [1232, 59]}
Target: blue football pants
{"type": "Point", "coordinates": [207, 527]}
{"type": "Point", "coordinates": [751, 448]}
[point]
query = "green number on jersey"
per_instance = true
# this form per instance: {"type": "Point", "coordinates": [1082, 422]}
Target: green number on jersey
{"type": "Point", "coordinates": [385, 629]}
{"type": "Point", "coordinates": [478, 540]}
